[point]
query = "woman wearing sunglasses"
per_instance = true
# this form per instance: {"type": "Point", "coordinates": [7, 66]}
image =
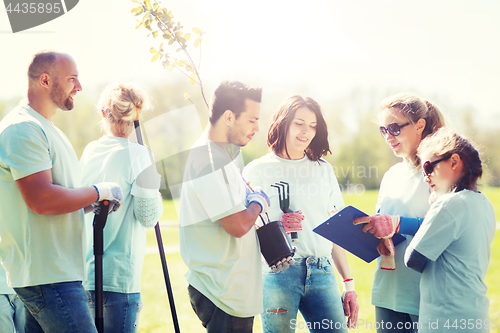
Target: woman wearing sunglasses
{"type": "Point", "coordinates": [403, 201]}
{"type": "Point", "coordinates": [452, 246]}
{"type": "Point", "coordinates": [298, 140]}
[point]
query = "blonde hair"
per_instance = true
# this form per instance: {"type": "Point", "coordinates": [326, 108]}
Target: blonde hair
{"type": "Point", "coordinates": [445, 143]}
{"type": "Point", "coordinates": [121, 104]}
{"type": "Point", "coordinates": [415, 108]}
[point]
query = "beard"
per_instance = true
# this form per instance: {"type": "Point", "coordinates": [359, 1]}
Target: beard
{"type": "Point", "coordinates": [57, 96]}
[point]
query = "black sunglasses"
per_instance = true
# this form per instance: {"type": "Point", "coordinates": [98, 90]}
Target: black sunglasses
{"type": "Point", "coordinates": [393, 129]}
{"type": "Point", "coordinates": [428, 166]}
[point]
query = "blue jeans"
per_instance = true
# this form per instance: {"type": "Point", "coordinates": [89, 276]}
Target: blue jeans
{"type": "Point", "coordinates": [57, 308]}
{"type": "Point", "coordinates": [214, 319]}
{"type": "Point", "coordinates": [310, 287]}
{"type": "Point", "coordinates": [120, 311]}
{"type": "Point", "coordinates": [11, 314]}
{"type": "Point", "coordinates": [394, 321]}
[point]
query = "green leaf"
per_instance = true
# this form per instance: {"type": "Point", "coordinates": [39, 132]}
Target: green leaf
{"type": "Point", "coordinates": [136, 9]}
{"type": "Point", "coordinates": [155, 34]}
{"type": "Point", "coordinates": [147, 3]}
{"type": "Point", "coordinates": [197, 31]}
{"type": "Point", "coordinates": [197, 42]}
{"type": "Point", "coordinates": [187, 36]}
{"type": "Point", "coordinates": [155, 57]}
{"type": "Point", "coordinates": [152, 50]}
{"type": "Point", "coordinates": [140, 25]}
{"type": "Point", "coordinates": [192, 78]}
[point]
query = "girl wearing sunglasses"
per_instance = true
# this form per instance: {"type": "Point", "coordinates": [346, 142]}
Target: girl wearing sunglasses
{"type": "Point", "coordinates": [452, 246]}
{"type": "Point", "coordinates": [406, 120]}
{"type": "Point", "coordinates": [298, 140]}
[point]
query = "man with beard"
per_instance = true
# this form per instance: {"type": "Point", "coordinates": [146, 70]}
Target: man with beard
{"type": "Point", "coordinates": [217, 216]}
{"type": "Point", "coordinates": [41, 203]}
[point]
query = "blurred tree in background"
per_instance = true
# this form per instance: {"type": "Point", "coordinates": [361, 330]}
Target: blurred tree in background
{"type": "Point", "coordinates": [360, 156]}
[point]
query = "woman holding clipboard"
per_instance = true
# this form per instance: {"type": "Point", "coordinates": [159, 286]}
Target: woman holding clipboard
{"type": "Point", "coordinates": [403, 201]}
{"type": "Point", "coordinates": [298, 139]}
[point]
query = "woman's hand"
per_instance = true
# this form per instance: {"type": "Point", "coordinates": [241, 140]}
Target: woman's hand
{"type": "Point", "coordinates": [292, 221]}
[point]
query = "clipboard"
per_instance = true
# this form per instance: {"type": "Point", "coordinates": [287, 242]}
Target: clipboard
{"type": "Point", "coordinates": [340, 230]}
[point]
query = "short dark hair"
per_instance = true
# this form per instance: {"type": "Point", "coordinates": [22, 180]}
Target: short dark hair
{"type": "Point", "coordinates": [282, 118]}
{"type": "Point", "coordinates": [231, 95]}
{"type": "Point", "coordinates": [43, 62]}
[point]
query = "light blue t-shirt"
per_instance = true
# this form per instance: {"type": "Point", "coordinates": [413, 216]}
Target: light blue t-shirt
{"type": "Point", "coordinates": [114, 159]}
{"type": "Point", "coordinates": [313, 189]}
{"type": "Point", "coordinates": [225, 269]}
{"type": "Point", "coordinates": [37, 249]}
{"type": "Point", "coordinates": [402, 192]}
{"type": "Point", "coordinates": [456, 236]}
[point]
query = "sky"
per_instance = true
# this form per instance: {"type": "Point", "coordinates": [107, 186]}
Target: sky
{"type": "Point", "coordinates": [448, 48]}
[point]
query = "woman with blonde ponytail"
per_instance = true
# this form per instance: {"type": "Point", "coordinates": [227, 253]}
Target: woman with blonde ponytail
{"type": "Point", "coordinates": [403, 201]}
{"type": "Point", "coordinates": [115, 158]}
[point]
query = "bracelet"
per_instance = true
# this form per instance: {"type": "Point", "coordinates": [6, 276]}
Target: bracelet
{"type": "Point", "coordinates": [98, 195]}
{"type": "Point", "coordinates": [347, 280]}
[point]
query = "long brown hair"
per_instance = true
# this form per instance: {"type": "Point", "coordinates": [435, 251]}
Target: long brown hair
{"type": "Point", "coordinates": [282, 118]}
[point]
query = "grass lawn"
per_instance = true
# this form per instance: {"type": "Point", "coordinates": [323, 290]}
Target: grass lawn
{"type": "Point", "coordinates": [156, 317]}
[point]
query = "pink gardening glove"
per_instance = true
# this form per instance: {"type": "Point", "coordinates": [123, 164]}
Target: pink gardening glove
{"type": "Point", "coordinates": [350, 303]}
{"type": "Point", "coordinates": [292, 221]}
{"type": "Point", "coordinates": [387, 252]}
{"type": "Point", "coordinates": [380, 225]}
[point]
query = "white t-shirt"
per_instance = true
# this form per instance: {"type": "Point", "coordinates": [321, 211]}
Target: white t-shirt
{"type": "Point", "coordinates": [313, 189]}
{"type": "Point", "coordinates": [37, 249]}
{"type": "Point", "coordinates": [114, 159]}
{"type": "Point", "coordinates": [223, 268]}
{"type": "Point", "coordinates": [402, 192]}
{"type": "Point", "coordinates": [4, 287]}
{"type": "Point", "coordinates": [456, 236]}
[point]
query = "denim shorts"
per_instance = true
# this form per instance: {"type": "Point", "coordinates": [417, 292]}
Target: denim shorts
{"type": "Point", "coordinates": [57, 308]}
{"type": "Point", "coordinates": [308, 286]}
{"type": "Point", "coordinates": [11, 313]}
{"type": "Point", "coordinates": [120, 311]}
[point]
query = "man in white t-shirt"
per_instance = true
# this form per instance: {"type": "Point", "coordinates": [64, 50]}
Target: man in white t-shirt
{"type": "Point", "coordinates": [41, 202]}
{"type": "Point", "coordinates": [218, 238]}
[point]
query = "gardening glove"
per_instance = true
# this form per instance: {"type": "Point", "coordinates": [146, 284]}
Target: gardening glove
{"type": "Point", "coordinates": [260, 197]}
{"type": "Point", "coordinates": [111, 192]}
{"type": "Point", "coordinates": [387, 252]}
{"type": "Point", "coordinates": [350, 302]}
{"type": "Point", "coordinates": [380, 225]}
{"type": "Point", "coordinates": [292, 221]}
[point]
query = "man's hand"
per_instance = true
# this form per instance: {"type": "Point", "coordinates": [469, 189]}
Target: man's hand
{"type": "Point", "coordinates": [292, 221]}
{"type": "Point", "coordinates": [260, 197]}
{"type": "Point", "coordinates": [380, 225]}
{"type": "Point", "coordinates": [111, 192]}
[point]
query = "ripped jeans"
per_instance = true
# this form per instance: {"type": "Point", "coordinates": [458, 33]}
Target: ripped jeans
{"type": "Point", "coordinates": [310, 287]}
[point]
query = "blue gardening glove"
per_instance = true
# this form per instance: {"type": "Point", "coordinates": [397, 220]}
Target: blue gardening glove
{"type": "Point", "coordinates": [111, 192]}
{"type": "Point", "coordinates": [260, 197]}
